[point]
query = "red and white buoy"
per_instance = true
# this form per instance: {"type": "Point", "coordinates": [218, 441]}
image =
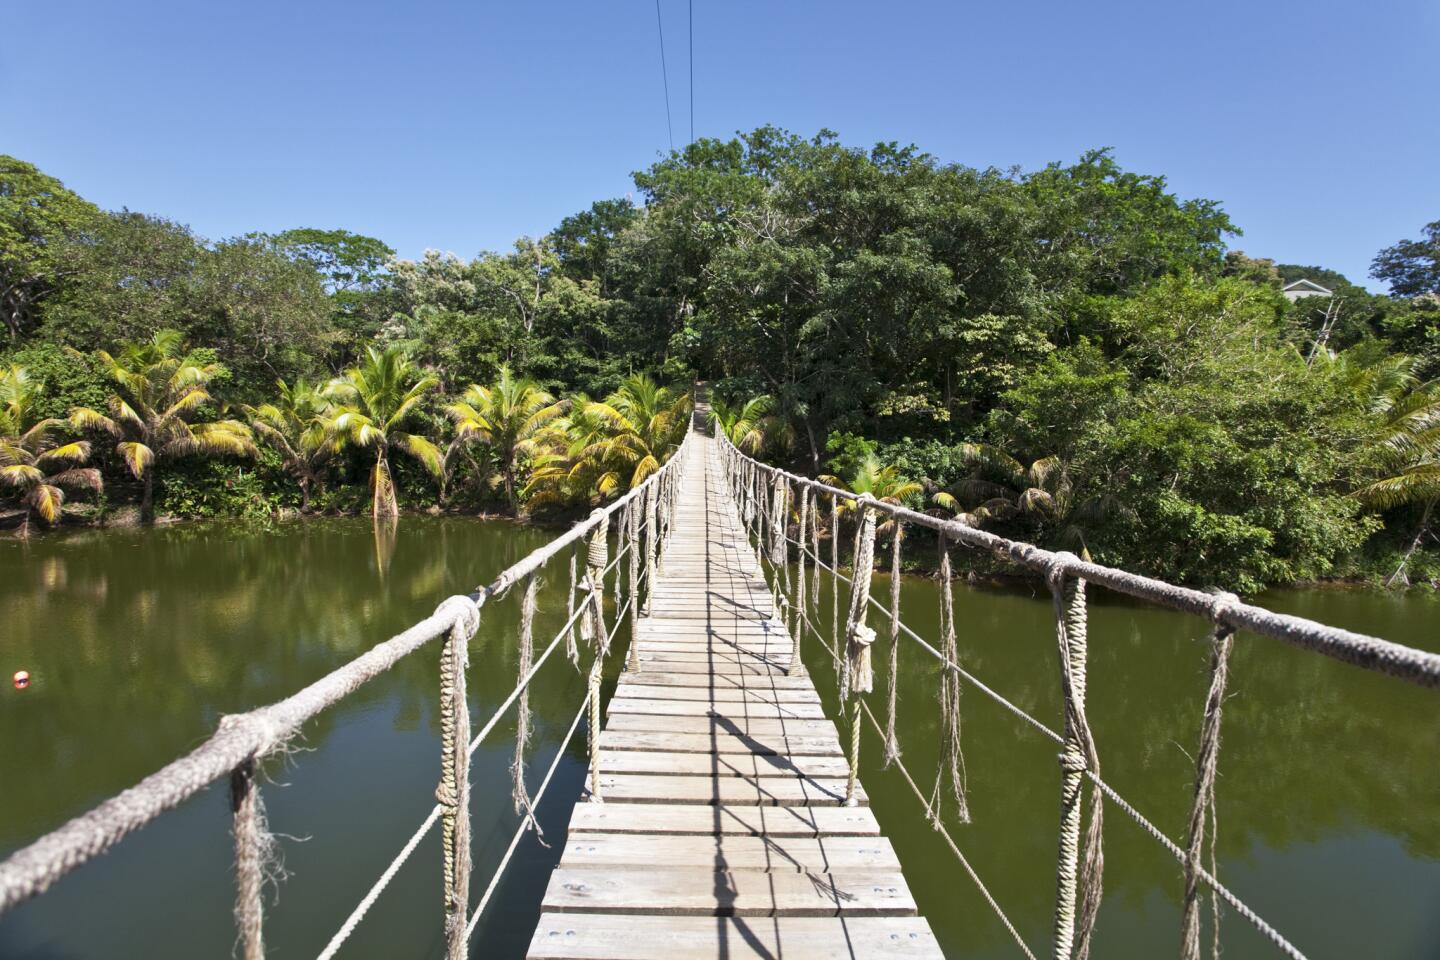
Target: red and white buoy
{"type": "Point", "coordinates": [21, 679]}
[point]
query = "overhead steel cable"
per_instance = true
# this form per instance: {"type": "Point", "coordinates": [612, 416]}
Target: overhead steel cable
{"type": "Point", "coordinates": [665, 77]}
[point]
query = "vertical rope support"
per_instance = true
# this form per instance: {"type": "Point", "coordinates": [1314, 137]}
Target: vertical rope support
{"type": "Point", "coordinates": [800, 599]}
{"type": "Point", "coordinates": [650, 546]}
{"type": "Point", "coordinates": [1207, 760]}
{"type": "Point", "coordinates": [596, 559]}
{"type": "Point", "coordinates": [834, 574]}
{"type": "Point", "coordinates": [254, 851]}
{"type": "Point", "coordinates": [519, 796]}
{"type": "Point", "coordinates": [632, 536]}
{"type": "Point", "coordinates": [777, 539]}
{"type": "Point", "coordinates": [892, 742]}
{"type": "Point", "coordinates": [572, 649]}
{"type": "Point", "coordinates": [1078, 873]}
{"type": "Point", "coordinates": [952, 759]}
{"type": "Point", "coordinates": [453, 793]}
{"type": "Point", "coordinates": [815, 549]}
{"type": "Point", "coordinates": [859, 636]}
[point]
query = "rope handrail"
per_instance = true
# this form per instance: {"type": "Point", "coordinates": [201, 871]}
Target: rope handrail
{"type": "Point", "coordinates": [1230, 898]}
{"type": "Point", "coordinates": [1373, 653]}
{"type": "Point", "coordinates": [243, 739]}
{"type": "Point", "coordinates": [1078, 878]}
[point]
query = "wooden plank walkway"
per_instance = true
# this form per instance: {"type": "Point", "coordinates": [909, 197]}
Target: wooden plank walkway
{"type": "Point", "coordinates": [722, 831]}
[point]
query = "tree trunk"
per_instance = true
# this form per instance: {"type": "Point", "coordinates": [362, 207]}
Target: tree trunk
{"type": "Point", "coordinates": [814, 450]}
{"type": "Point", "coordinates": [304, 496]}
{"type": "Point", "coordinates": [384, 504]}
{"type": "Point", "coordinates": [147, 496]}
{"type": "Point", "coordinates": [1414, 544]}
{"type": "Point", "coordinates": [509, 473]}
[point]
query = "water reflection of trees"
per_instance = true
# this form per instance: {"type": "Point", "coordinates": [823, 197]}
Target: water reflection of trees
{"type": "Point", "coordinates": [140, 640]}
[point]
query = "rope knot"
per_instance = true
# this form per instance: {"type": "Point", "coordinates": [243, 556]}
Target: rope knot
{"type": "Point", "coordinates": [1058, 568]}
{"type": "Point", "coordinates": [598, 549]}
{"type": "Point", "coordinates": [862, 675]}
{"type": "Point", "coordinates": [465, 613]}
{"type": "Point", "coordinates": [266, 732]}
{"type": "Point", "coordinates": [1224, 602]}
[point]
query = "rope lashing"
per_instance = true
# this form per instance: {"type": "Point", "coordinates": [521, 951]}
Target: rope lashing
{"type": "Point", "coordinates": [815, 549]}
{"type": "Point", "coordinates": [777, 525]}
{"type": "Point", "coordinates": [1201, 844]}
{"type": "Point", "coordinates": [572, 649]}
{"type": "Point", "coordinates": [1078, 875]}
{"type": "Point", "coordinates": [596, 559]}
{"type": "Point", "coordinates": [859, 636]}
{"type": "Point", "coordinates": [892, 741]}
{"type": "Point", "coordinates": [519, 796]}
{"type": "Point", "coordinates": [453, 793]}
{"type": "Point", "coordinates": [650, 547]}
{"type": "Point", "coordinates": [256, 858]}
{"type": "Point", "coordinates": [952, 758]}
{"type": "Point", "coordinates": [801, 601]}
{"type": "Point", "coordinates": [834, 574]}
{"type": "Point", "coordinates": [632, 536]}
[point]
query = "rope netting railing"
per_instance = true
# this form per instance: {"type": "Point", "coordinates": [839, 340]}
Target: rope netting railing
{"type": "Point", "coordinates": [641, 520]}
{"type": "Point", "coordinates": [771, 501]}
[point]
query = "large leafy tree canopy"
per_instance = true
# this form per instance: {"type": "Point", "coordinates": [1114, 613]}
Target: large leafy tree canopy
{"type": "Point", "coordinates": [1150, 394]}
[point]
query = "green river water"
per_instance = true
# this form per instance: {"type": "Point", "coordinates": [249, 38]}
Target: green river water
{"type": "Point", "coordinates": [139, 641]}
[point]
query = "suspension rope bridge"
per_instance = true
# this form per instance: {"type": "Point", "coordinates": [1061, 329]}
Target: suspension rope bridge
{"type": "Point", "coordinates": [719, 793]}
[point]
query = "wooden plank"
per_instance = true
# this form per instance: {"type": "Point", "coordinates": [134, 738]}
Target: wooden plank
{"type": "Point", "coordinates": [679, 763]}
{"type": "Point", "coordinates": [729, 893]}
{"type": "Point", "coordinates": [766, 791]}
{"type": "Point", "coordinates": [722, 743]}
{"type": "Point", "coordinates": [748, 669]}
{"type": "Point", "coordinates": [777, 681]}
{"type": "Point", "coordinates": [631, 722]}
{"type": "Point", "coordinates": [740, 819]}
{"type": "Point", "coordinates": [568, 936]}
{"type": "Point", "coordinates": [633, 688]}
{"type": "Point", "coordinates": [815, 854]}
{"type": "Point", "coordinates": [700, 708]}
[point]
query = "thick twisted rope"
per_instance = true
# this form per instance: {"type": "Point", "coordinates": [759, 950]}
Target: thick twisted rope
{"type": "Point", "coordinates": [1207, 760]}
{"type": "Point", "coordinates": [519, 797]}
{"type": "Point", "coordinates": [892, 695]}
{"type": "Point", "coordinates": [632, 536]}
{"type": "Point", "coordinates": [1372, 653]}
{"type": "Point", "coordinates": [599, 639]}
{"type": "Point", "coordinates": [572, 649]}
{"type": "Point", "coordinates": [797, 662]}
{"type": "Point", "coordinates": [1228, 897]}
{"type": "Point", "coordinates": [952, 761]}
{"type": "Point", "coordinates": [256, 859]}
{"type": "Point", "coordinates": [453, 793]}
{"type": "Point", "coordinates": [1075, 922]}
{"type": "Point", "coordinates": [834, 574]}
{"type": "Point", "coordinates": [859, 638]}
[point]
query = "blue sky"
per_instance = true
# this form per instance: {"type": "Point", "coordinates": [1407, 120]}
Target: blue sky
{"type": "Point", "coordinates": [463, 125]}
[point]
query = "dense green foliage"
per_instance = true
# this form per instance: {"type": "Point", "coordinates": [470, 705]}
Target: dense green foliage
{"type": "Point", "coordinates": [1071, 355]}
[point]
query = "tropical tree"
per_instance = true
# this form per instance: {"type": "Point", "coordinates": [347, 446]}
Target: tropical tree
{"type": "Point", "coordinates": [1404, 442]}
{"type": "Point", "coordinates": [1001, 487]}
{"type": "Point", "coordinates": [295, 426]}
{"type": "Point", "coordinates": [752, 424]}
{"type": "Point", "coordinates": [153, 415]}
{"type": "Point", "coordinates": [508, 416]}
{"type": "Point", "coordinates": [883, 482]}
{"type": "Point", "coordinates": [370, 405]}
{"type": "Point", "coordinates": [34, 464]}
{"type": "Point", "coordinates": [644, 422]}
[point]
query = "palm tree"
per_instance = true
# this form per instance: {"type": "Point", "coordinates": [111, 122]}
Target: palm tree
{"type": "Point", "coordinates": [33, 463]}
{"type": "Point", "coordinates": [1404, 442]}
{"type": "Point", "coordinates": [1001, 487]}
{"type": "Point", "coordinates": [161, 392]}
{"type": "Point", "coordinates": [883, 482]}
{"type": "Point", "coordinates": [507, 416]}
{"type": "Point", "coordinates": [371, 403]}
{"type": "Point", "coordinates": [644, 422]}
{"type": "Point", "coordinates": [295, 426]}
{"type": "Point", "coordinates": [750, 425]}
